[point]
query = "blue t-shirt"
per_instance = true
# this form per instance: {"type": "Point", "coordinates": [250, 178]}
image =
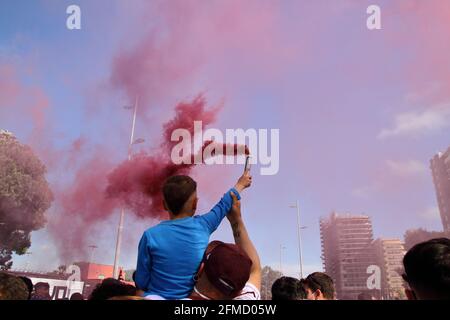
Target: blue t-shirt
{"type": "Point", "coordinates": [170, 253]}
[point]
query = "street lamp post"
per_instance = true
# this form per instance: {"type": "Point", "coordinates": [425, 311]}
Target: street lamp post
{"type": "Point", "coordinates": [122, 211]}
{"type": "Point", "coordinates": [299, 227]}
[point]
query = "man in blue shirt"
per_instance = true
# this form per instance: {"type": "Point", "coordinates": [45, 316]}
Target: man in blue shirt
{"type": "Point", "coordinates": [171, 252]}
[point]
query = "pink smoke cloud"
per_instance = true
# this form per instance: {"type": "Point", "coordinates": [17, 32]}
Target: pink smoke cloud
{"type": "Point", "coordinates": [165, 64]}
{"type": "Point", "coordinates": [138, 182]}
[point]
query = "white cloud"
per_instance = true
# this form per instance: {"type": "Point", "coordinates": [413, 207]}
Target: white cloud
{"type": "Point", "coordinates": [406, 168]}
{"type": "Point", "coordinates": [417, 123]}
{"type": "Point", "coordinates": [431, 213]}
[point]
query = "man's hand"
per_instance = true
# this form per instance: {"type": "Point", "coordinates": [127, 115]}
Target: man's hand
{"type": "Point", "coordinates": [244, 181]}
{"type": "Point", "coordinates": [235, 212]}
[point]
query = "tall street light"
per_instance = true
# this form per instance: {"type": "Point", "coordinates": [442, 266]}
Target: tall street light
{"type": "Point", "coordinates": [122, 211]}
{"type": "Point", "coordinates": [299, 227]}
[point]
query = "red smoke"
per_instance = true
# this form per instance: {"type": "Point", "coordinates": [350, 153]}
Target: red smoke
{"type": "Point", "coordinates": [137, 182]}
{"type": "Point", "coordinates": [162, 66]}
{"type": "Point", "coordinates": [235, 149]}
{"type": "Point", "coordinates": [80, 206]}
{"type": "Point", "coordinates": [99, 187]}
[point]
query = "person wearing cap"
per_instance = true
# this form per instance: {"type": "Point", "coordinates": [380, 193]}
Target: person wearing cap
{"type": "Point", "coordinates": [230, 271]}
{"type": "Point", "coordinates": [170, 253]}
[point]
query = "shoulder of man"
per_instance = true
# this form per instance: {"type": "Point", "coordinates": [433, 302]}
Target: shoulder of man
{"type": "Point", "coordinates": [249, 292]}
{"type": "Point", "coordinates": [154, 229]}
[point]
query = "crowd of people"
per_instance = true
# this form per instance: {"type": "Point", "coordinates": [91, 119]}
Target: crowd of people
{"type": "Point", "coordinates": [176, 261]}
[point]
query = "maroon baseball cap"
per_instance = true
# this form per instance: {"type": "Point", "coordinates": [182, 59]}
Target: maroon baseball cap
{"type": "Point", "coordinates": [227, 267]}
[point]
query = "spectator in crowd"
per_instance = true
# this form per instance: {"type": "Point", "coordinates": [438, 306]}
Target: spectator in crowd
{"type": "Point", "coordinates": [29, 285]}
{"type": "Point", "coordinates": [76, 296]}
{"type": "Point", "coordinates": [288, 288]}
{"type": "Point", "coordinates": [427, 270]}
{"type": "Point", "coordinates": [319, 286]}
{"type": "Point", "coordinates": [41, 291]}
{"type": "Point", "coordinates": [12, 288]}
{"type": "Point", "coordinates": [170, 253]}
{"type": "Point", "coordinates": [365, 296]}
{"type": "Point", "coordinates": [228, 271]}
{"type": "Point", "coordinates": [110, 288]}
{"type": "Point", "coordinates": [127, 298]}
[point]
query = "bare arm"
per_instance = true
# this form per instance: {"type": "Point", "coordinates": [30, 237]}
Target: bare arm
{"type": "Point", "coordinates": [213, 218]}
{"type": "Point", "coordinates": [242, 239]}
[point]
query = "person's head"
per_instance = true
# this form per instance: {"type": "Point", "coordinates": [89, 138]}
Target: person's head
{"type": "Point", "coordinates": [29, 285]}
{"type": "Point", "coordinates": [224, 271]}
{"type": "Point", "coordinates": [12, 288]}
{"type": "Point", "coordinates": [180, 195]}
{"type": "Point", "coordinates": [427, 270]}
{"type": "Point", "coordinates": [42, 288]}
{"type": "Point", "coordinates": [319, 286]}
{"type": "Point", "coordinates": [365, 296]}
{"type": "Point", "coordinates": [287, 288]}
{"type": "Point", "coordinates": [127, 298]}
{"type": "Point", "coordinates": [77, 296]}
{"type": "Point", "coordinates": [110, 288]}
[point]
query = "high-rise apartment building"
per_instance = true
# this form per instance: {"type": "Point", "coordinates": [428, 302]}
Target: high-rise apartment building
{"type": "Point", "coordinates": [389, 255]}
{"type": "Point", "coordinates": [440, 168]}
{"type": "Point", "coordinates": [347, 252]}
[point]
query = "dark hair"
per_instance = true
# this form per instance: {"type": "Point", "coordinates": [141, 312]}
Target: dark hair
{"type": "Point", "coordinates": [42, 285]}
{"type": "Point", "coordinates": [12, 288]}
{"type": "Point", "coordinates": [365, 296]}
{"type": "Point", "coordinates": [176, 191]}
{"type": "Point", "coordinates": [29, 285]}
{"type": "Point", "coordinates": [77, 296]}
{"type": "Point", "coordinates": [110, 288]}
{"type": "Point", "coordinates": [288, 288]}
{"type": "Point", "coordinates": [321, 281]}
{"type": "Point", "coordinates": [427, 267]}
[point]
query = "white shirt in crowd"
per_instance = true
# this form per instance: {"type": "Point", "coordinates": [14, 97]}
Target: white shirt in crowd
{"type": "Point", "coordinates": [249, 292]}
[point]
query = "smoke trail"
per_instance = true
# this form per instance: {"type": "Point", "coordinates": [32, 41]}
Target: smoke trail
{"type": "Point", "coordinates": [137, 183]}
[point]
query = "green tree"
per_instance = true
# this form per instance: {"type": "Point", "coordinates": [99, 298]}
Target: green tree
{"type": "Point", "coordinates": [129, 275]}
{"type": "Point", "coordinates": [25, 196]}
{"type": "Point", "coordinates": [268, 278]}
{"type": "Point", "coordinates": [61, 269]}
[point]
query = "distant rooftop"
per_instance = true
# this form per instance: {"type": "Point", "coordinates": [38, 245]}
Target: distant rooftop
{"type": "Point", "coordinates": [345, 215]}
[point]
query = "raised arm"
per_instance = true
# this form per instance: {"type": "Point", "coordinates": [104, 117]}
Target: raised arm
{"type": "Point", "coordinates": [242, 239]}
{"type": "Point", "coordinates": [213, 218]}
